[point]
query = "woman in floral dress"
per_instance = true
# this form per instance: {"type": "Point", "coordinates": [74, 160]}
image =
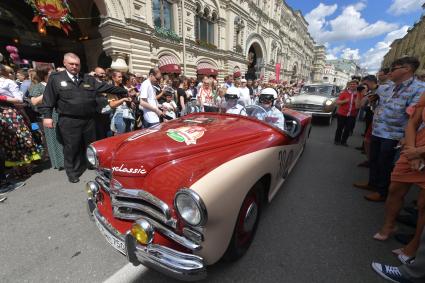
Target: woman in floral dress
{"type": "Point", "coordinates": [15, 136]}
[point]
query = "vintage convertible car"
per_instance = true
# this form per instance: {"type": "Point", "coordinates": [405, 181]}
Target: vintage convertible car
{"type": "Point", "coordinates": [184, 194]}
{"type": "Point", "coordinates": [318, 100]}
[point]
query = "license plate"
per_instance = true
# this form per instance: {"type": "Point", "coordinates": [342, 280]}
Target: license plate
{"type": "Point", "coordinates": [112, 240]}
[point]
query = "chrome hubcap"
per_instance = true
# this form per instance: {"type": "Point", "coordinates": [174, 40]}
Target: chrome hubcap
{"type": "Point", "coordinates": [250, 217]}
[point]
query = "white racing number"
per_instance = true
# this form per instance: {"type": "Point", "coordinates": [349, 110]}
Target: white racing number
{"type": "Point", "coordinates": [285, 160]}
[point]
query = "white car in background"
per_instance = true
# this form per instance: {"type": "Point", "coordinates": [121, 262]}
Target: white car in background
{"type": "Point", "coordinates": [318, 100]}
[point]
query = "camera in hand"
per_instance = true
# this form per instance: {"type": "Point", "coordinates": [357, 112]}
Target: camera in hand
{"type": "Point", "coordinates": [361, 88]}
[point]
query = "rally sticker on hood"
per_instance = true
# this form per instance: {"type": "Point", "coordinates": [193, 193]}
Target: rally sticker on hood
{"type": "Point", "coordinates": [189, 134]}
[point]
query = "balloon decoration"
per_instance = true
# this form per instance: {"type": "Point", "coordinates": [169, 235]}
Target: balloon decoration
{"type": "Point", "coordinates": [25, 62]}
{"type": "Point", "coordinates": [54, 13]}
{"type": "Point", "coordinates": [12, 49]}
{"type": "Point", "coordinates": [15, 57]}
{"type": "Point", "coordinates": [13, 54]}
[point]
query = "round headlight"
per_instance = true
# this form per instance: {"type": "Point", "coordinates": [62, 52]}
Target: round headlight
{"type": "Point", "coordinates": [190, 207]}
{"type": "Point", "coordinates": [92, 156]}
{"type": "Point", "coordinates": [328, 102]}
{"type": "Point", "coordinates": [288, 101]}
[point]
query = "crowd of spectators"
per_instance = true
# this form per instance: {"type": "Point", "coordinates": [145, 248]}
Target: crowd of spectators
{"type": "Point", "coordinates": [151, 98]}
{"type": "Point", "coordinates": [392, 105]}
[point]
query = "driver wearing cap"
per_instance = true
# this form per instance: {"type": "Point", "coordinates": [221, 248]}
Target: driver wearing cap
{"type": "Point", "coordinates": [271, 115]}
{"type": "Point", "coordinates": [232, 106]}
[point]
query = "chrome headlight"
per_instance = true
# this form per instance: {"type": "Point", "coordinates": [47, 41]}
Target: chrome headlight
{"type": "Point", "coordinates": [328, 102]}
{"type": "Point", "coordinates": [91, 155]}
{"type": "Point", "coordinates": [288, 101]}
{"type": "Point", "coordinates": [190, 207]}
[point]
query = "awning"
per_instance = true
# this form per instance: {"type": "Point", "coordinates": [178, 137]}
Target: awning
{"type": "Point", "coordinates": [169, 64]}
{"type": "Point", "coordinates": [207, 69]}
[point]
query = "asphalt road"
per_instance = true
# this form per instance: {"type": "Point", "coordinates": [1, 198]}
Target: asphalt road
{"type": "Point", "coordinates": [317, 229]}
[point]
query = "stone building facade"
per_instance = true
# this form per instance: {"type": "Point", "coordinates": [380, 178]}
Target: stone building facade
{"type": "Point", "coordinates": [319, 64]}
{"type": "Point", "coordinates": [412, 44]}
{"type": "Point", "coordinates": [205, 37]}
{"type": "Point", "coordinates": [222, 37]}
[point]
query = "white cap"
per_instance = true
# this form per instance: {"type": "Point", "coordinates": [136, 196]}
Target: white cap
{"type": "Point", "coordinates": [269, 91]}
{"type": "Point", "coordinates": [233, 91]}
{"type": "Point", "coordinates": [243, 81]}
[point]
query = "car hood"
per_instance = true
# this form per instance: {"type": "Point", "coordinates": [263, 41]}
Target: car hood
{"type": "Point", "coordinates": [137, 154]}
{"type": "Point", "coordinates": [310, 99]}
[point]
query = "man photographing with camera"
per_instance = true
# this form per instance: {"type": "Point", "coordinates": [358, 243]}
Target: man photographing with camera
{"type": "Point", "coordinates": [389, 121]}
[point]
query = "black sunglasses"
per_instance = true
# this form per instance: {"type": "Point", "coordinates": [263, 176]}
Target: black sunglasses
{"type": "Point", "coordinates": [396, 68]}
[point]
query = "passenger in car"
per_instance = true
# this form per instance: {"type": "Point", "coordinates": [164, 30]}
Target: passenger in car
{"type": "Point", "coordinates": [271, 115]}
{"type": "Point", "coordinates": [232, 106]}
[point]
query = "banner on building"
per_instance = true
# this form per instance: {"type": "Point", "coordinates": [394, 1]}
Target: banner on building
{"type": "Point", "coordinates": [278, 66]}
{"type": "Point", "coordinates": [54, 13]}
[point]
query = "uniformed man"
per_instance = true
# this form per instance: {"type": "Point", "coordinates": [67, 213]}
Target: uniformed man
{"type": "Point", "coordinates": [75, 98]}
{"type": "Point", "coordinates": [232, 107]}
{"type": "Point", "coordinates": [271, 115]}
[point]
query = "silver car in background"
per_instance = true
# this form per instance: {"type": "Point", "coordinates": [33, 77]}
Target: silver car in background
{"type": "Point", "coordinates": [318, 100]}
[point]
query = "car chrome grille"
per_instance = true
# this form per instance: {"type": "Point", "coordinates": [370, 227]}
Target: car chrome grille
{"type": "Point", "coordinates": [307, 107]}
{"type": "Point", "coordinates": [131, 204]}
{"type": "Point", "coordinates": [104, 178]}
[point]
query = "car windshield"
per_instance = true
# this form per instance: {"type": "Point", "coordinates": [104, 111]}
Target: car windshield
{"type": "Point", "coordinates": [317, 90]}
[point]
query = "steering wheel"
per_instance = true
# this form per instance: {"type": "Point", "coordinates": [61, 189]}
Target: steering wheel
{"type": "Point", "coordinates": [254, 110]}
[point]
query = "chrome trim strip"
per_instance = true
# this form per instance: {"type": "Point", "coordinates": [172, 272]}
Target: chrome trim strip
{"type": "Point", "coordinates": [116, 204]}
{"type": "Point", "coordinates": [102, 182]}
{"type": "Point", "coordinates": [139, 194]}
{"type": "Point", "coordinates": [173, 236]}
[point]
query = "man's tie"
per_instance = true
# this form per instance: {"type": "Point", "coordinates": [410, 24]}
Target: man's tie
{"type": "Point", "coordinates": [75, 78]}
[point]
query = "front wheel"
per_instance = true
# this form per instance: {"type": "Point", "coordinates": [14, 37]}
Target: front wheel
{"type": "Point", "coordinates": [246, 225]}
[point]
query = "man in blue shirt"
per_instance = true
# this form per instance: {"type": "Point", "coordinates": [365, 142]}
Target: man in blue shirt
{"type": "Point", "coordinates": [389, 121]}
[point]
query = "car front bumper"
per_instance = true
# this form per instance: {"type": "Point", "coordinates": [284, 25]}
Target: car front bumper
{"type": "Point", "coordinates": [318, 114]}
{"type": "Point", "coordinates": [182, 266]}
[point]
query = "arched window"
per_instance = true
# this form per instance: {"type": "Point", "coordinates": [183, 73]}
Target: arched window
{"type": "Point", "coordinates": [162, 14]}
{"type": "Point", "coordinates": [204, 25]}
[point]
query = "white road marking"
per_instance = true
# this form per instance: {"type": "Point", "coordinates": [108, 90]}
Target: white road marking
{"type": "Point", "coordinates": [128, 273]}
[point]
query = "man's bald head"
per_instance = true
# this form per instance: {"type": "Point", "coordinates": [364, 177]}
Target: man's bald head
{"type": "Point", "coordinates": [72, 63]}
{"type": "Point", "coordinates": [100, 73]}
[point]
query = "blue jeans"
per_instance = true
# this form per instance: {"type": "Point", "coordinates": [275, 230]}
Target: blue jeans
{"type": "Point", "coordinates": [122, 125]}
{"type": "Point", "coordinates": [381, 163]}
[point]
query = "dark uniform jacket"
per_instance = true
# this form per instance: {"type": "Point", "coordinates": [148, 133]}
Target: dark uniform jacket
{"type": "Point", "coordinates": [75, 99]}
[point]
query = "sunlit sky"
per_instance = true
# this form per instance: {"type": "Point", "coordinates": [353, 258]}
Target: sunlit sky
{"type": "Point", "coordinates": [360, 30]}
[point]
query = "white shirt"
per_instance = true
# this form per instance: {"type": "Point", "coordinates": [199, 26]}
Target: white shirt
{"type": "Point", "coordinates": [10, 88]}
{"type": "Point", "coordinates": [148, 92]}
{"type": "Point", "coordinates": [237, 109]}
{"type": "Point", "coordinates": [170, 109]}
{"type": "Point", "coordinates": [245, 98]}
{"type": "Point", "coordinates": [71, 76]}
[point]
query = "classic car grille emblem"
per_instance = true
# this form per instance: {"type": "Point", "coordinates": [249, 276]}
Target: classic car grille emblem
{"type": "Point", "coordinates": [123, 169]}
{"type": "Point", "coordinates": [189, 134]}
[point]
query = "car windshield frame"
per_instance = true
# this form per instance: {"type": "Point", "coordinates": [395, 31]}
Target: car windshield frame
{"type": "Point", "coordinates": [317, 90]}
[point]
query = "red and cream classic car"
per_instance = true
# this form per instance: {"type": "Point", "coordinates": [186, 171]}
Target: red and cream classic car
{"type": "Point", "coordinates": [184, 194]}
